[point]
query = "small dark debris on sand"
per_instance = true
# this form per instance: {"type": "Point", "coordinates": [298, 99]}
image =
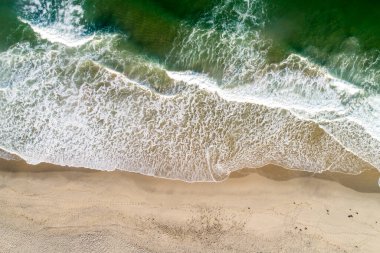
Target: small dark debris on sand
{"type": "Point", "coordinates": [350, 216]}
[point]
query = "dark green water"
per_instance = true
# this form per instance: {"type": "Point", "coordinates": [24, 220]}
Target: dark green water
{"type": "Point", "coordinates": [191, 89]}
{"type": "Point", "coordinates": [318, 30]}
{"type": "Point", "coordinates": [322, 29]}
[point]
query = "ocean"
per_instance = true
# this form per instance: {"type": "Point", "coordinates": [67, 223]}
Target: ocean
{"type": "Point", "coordinates": [191, 90]}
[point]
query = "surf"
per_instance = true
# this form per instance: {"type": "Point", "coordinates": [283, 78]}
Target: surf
{"type": "Point", "coordinates": [217, 102]}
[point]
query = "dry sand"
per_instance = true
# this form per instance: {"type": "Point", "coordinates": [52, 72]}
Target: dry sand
{"type": "Point", "coordinates": [54, 209]}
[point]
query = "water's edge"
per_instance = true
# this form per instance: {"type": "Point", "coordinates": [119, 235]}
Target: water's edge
{"type": "Point", "coordinates": [366, 181]}
{"type": "Point", "coordinates": [88, 85]}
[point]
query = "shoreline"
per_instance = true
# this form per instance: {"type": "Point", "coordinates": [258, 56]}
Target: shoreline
{"type": "Point", "coordinates": [367, 181]}
{"type": "Point", "coordinates": [47, 208]}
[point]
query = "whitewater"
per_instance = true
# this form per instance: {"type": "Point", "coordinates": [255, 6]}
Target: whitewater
{"type": "Point", "coordinates": [216, 104]}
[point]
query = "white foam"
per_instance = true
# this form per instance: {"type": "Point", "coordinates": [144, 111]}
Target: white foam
{"type": "Point", "coordinates": [236, 53]}
{"type": "Point", "coordinates": [86, 115]}
{"type": "Point", "coordinates": [7, 155]}
{"type": "Point", "coordinates": [56, 22]}
{"type": "Point", "coordinates": [55, 35]}
{"type": "Point", "coordinates": [193, 78]}
{"type": "Point", "coordinates": [322, 106]}
{"type": "Point", "coordinates": [66, 107]}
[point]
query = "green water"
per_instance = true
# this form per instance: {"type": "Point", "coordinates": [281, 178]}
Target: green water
{"type": "Point", "coordinates": [12, 30]}
{"type": "Point", "coordinates": [191, 89]}
{"type": "Point", "coordinates": [322, 29]}
{"type": "Point", "coordinates": [315, 29]}
{"type": "Point", "coordinates": [324, 24]}
{"type": "Point", "coordinates": [294, 24]}
{"type": "Point", "coordinates": [318, 30]}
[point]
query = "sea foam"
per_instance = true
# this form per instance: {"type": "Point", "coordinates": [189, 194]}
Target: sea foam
{"type": "Point", "coordinates": [82, 100]}
{"type": "Point", "coordinates": [63, 106]}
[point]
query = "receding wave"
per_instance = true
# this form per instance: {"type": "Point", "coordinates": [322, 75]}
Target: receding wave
{"type": "Point", "coordinates": [216, 103]}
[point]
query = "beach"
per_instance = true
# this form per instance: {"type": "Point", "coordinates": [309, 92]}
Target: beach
{"type": "Point", "coordinates": [189, 126]}
{"type": "Point", "coordinates": [48, 208]}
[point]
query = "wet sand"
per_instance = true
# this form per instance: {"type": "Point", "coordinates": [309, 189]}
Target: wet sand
{"type": "Point", "coordinates": [49, 208]}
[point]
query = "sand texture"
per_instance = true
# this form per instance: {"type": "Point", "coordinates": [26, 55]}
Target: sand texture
{"type": "Point", "coordinates": [55, 209]}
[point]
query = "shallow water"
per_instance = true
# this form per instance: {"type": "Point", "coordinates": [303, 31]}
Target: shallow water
{"type": "Point", "coordinates": [193, 92]}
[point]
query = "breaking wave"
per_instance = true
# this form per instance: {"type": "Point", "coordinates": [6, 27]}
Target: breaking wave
{"type": "Point", "coordinates": [217, 103]}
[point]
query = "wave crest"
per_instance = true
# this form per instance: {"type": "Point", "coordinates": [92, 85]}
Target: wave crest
{"type": "Point", "coordinates": [63, 107]}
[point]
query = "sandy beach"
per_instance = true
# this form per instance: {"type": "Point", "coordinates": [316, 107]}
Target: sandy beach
{"type": "Point", "coordinates": [165, 111]}
{"type": "Point", "coordinates": [48, 208]}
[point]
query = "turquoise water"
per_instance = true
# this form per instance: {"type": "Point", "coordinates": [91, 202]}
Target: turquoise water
{"type": "Point", "coordinates": [191, 89]}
